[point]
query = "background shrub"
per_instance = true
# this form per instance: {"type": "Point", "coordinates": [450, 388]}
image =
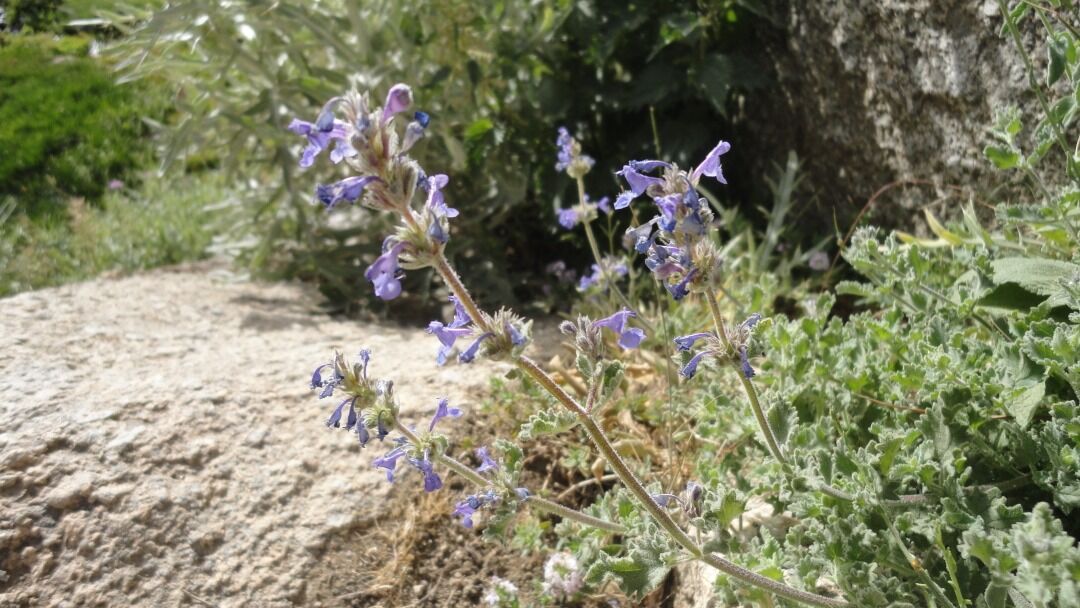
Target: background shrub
{"type": "Point", "coordinates": [32, 15]}
{"type": "Point", "coordinates": [494, 93]}
{"type": "Point", "coordinates": [65, 127]}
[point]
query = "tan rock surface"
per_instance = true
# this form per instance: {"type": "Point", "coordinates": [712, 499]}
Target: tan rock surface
{"type": "Point", "coordinates": [159, 445]}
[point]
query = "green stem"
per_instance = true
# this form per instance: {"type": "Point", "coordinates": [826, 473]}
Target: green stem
{"type": "Point", "coordinates": [748, 386]}
{"type": "Point", "coordinates": [759, 412]}
{"type": "Point", "coordinates": [565, 512]}
{"type": "Point", "coordinates": [586, 222]}
{"type": "Point", "coordinates": [1010, 24]}
{"type": "Point", "coordinates": [535, 502]}
{"type": "Point", "coordinates": [627, 476]}
{"type": "Point", "coordinates": [915, 563]}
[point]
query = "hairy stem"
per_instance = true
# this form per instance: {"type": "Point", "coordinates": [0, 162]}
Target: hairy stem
{"type": "Point", "coordinates": [748, 386]}
{"type": "Point", "coordinates": [620, 468]}
{"type": "Point", "coordinates": [586, 222]}
{"type": "Point", "coordinates": [759, 412]}
{"type": "Point", "coordinates": [567, 513]}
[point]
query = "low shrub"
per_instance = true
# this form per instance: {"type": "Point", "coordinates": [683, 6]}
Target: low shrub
{"type": "Point", "coordinates": [66, 128]}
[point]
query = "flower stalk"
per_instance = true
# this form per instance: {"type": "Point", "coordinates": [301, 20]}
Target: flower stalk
{"type": "Point", "coordinates": [535, 502]}
{"type": "Point", "coordinates": [627, 476]}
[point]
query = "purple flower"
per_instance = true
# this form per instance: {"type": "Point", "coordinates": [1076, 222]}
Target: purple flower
{"type": "Point", "coordinates": [604, 204]}
{"type": "Point", "coordinates": [691, 366]}
{"type": "Point", "coordinates": [680, 289]}
{"type": "Point", "coordinates": [628, 337]}
{"type": "Point", "coordinates": [365, 356]}
{"type": "Point", "coordinates": [319, 134]}
{"type": "Point", "coordinates": [316, 376]}
{"type": "Point", "coordinates": [350, 422]}
{"type": "Point", "coordinates": [435, 199]}
{"type": "Point", "coordinates": [819, 261]}
{"type": "Point", "coordinates": [665, 500]}
{"type": "Point", "coordinates": [398, 99]}
{"type": "Point", "coordinates": [466, 508]}
{"type": "Point", "coordinates": [436, 232]}
{"type": "Point", "coordinates": [516, 337]}
{"type": "Point", "coordinates": [442, 410]}
{"type": "Point", "coordinates": [383, 273]}
{"type": "Point", "coordinates": [744, 362]}
{"type": "Point", "coordinates": [597, 275]}
{"type": "Point", "coordinates": [432, 481]}
{"type": "Point", "coordinates": [751, 321]}
{"type": "Point", "coordinates": [335, 416]}
{"type": "Point", "coordinates": [711, 165]}
{"type": "Point", "coordinates": [389, 460]}
{"type": "Point", "coordinates": [362, 434]}
{"type": "Point", "coordinates": [695, 492]}
{"type": "Point", "coordinates": [565, 154]}
{"type": "Point", "coordinates": [589, 280]}
{"type": "Point", "coordinates": [641, 237]}
{"type": "Point", "coordinates": [633, 173]}
{"type": "Point", "coordinates": [328, 386]}
{"type": "Point", "coordinates": [380, 428]}
{"type": "Point", "coordinates": [686, 342]}
{"type": "Point", "coordinates": [115, 184]}
{"type": "Point", "coordinates": [414, 132]}
{"type": "Point", "coordinates": [447, 335]}
{"type": "Point", "coordinates": [349, 189]}
{"type": "Point", "coordinates": [568, 218]}
{"type": "Point", "coordinates": [461, 316]}
{"type": "Point", "coordinates": [469, 354]}
{"type": "Point", "coordinates": [570, 153]}
{"type": "Point", "coordinates": [486, 462]}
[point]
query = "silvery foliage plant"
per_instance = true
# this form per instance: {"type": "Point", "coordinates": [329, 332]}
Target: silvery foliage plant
{"type": "Point", "coordinates": [371, 141]}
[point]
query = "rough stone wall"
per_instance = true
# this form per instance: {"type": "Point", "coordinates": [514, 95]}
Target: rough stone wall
{"type": "Point", "coordinates": [888, 90]}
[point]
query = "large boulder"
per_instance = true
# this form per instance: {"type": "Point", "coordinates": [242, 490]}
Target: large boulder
{"type": "Point", "coordinates": [886, 90]}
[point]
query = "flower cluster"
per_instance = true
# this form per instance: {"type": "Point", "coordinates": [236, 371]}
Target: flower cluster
{"type": "Point", "coordinates": [629, 337]}
{"type": "Point", "coordinates": [466, 508]}
{"type": "Point", "coordinates": [570, 157]}
{"type": "Point", "coordinates": [510, 336]}
{"type": "Point", "coordinates": [672, 241]}
{"type": "Point", "coordinates": [562, 575]}
{"type": "Point", "coordinates": [370, 144]}
{"type": "Point", "coordinates": [733, 346]}
{"type": "Point", "coordinates": [572, 216]}
{"type": "Point", "coordinates": [588, 334]}
{"type": "Point", "coordinates": [370, 404]}
{"type": "Point", "coordinates": [603, 275]}
{"type": "Point", "coordinates": [420, 455]}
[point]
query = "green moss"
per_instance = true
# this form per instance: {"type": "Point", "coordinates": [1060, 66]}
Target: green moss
{"type": "Point", "coordinates": [66, 127]}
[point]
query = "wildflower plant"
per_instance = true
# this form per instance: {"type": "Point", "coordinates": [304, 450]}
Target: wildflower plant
{"type": "Point", "coordinates": [367, 139]}
{"type": "Point", "coordinates": [928, 504]}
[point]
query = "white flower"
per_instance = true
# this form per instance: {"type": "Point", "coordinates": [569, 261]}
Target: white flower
{"type": "Point", "coordinates": [562, 575]}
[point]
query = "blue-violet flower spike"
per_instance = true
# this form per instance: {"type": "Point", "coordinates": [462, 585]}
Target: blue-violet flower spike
{"type": "Point", "coordinates": [711, 165]}
{"type": "Point", "coordinates": [691, 366]}
{"type": "Point", "coordinates": [686, 342]}
{"type": "Point", "coordinates": [486, 461]}
{"type": "Point", "coordinates": [442, 410]}
{"type": "Point", "coordinates": [398, 99]}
